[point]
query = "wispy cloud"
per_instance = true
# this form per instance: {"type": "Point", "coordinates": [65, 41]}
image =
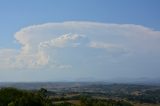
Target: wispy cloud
{"type": "Point", "coordinates": [61, 41]}
{"type": "Point", "coordinates": [103, 45]}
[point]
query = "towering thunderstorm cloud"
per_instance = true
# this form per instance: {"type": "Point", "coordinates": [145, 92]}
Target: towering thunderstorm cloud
{"type": "Point", "coordinates": [61, 45]}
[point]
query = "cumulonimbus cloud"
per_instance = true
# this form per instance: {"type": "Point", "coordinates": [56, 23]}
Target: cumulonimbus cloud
{"type": "Point", "coordinates": [43, 45]}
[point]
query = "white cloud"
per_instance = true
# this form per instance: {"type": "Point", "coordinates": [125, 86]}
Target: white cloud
{"type": "Point", "coordinates": [53, 45]}
{"type": "Point", "coordinates": [111, 49]}
{"type": "Point", "coordinates": [7, 58]}
{"type": "Point", "coordinates": [60, 41]}
{"type": "Point", "coordinates": [103, 45]}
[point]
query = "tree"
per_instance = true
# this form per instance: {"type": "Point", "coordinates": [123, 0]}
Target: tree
{"type": "Point", "coordinates": [14, 97]}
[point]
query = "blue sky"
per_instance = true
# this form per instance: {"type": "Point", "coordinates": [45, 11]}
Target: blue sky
{"type": "Point", "coordinates": [51, 40]}
{"type": "Point", "coordinates": [17, 14]}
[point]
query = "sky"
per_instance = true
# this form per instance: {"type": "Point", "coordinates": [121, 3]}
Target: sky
{"type": "Point", "coordinates": [79, 40]}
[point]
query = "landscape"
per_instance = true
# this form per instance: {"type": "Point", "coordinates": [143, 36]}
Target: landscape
{"type": "Point", "coordinates": [79, 53]}
{"type": "Point", "coordinates": [79, 94]}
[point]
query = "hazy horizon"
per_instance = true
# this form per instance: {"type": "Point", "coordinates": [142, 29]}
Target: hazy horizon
{"type": "Point", "coordinates": [79, 40]}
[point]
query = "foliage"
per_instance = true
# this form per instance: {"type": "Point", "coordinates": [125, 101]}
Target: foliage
{"type": "Point", "coordinates": [14, 97]}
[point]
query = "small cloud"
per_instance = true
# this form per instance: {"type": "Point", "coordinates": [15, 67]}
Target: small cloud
{"type": "Point", "coordinates": [64, 66]}
{"type": "Point", "coordinates": [111, 49]}
{"type": "Point", "coordinates": [103, 45]}
{"type": "Point", "coordinates": [61, 41]}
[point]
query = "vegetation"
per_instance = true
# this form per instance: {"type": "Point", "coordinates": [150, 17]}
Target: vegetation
{"type": "Point", "coordinates": [15, 97]}
{"type": "Point", "coordinates": [83, 95]}
{"type": "Point", "coordinates": [86, 101]}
